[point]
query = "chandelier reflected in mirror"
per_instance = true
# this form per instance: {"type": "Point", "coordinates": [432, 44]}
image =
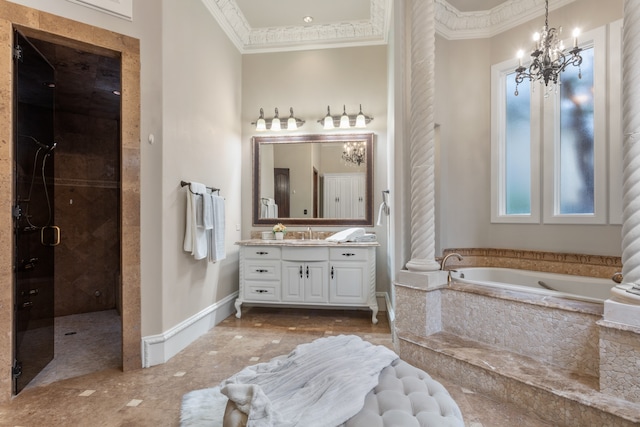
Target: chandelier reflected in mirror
{"type": "Point", "coordinates": [354, 152]}
{"type": "Point", "coordinates": [548, 57]}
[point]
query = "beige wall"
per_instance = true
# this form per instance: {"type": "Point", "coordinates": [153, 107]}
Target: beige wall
{"type": "Point", "coordinates": [308, 81]}
{"type": "Point", "coordinates": [201, 142]}
{"type": "Point", "coordinates": [463, 110]}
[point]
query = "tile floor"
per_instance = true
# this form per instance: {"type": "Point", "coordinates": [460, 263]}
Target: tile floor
{"type": "Point", "coordinates": [152, 397]}
{"type": "Point", "coordinates": [84, 343]}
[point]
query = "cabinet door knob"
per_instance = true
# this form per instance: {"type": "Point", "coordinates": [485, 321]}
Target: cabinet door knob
{"type": "Point", "coordinates": [261, 291]}
{"type": "Point", "coordinates": [300, 272]}
{"type": "Point", "coordinates": [348, 254]}
{"type": "Point", "coordinates": [261, 270]}
{"type": "Point", "coordinates": [262, 253]}
{"type": "Point", "coordinates": [332, 272]}
{"type": "Point", "coordinates": [307, 271]}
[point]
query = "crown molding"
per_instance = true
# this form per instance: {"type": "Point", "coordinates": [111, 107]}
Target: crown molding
{"type": "Point", "coordinates": [273, 39]}
{"type": "Point", "coordinates": [455, 25]}
{"type": "Point", "coordinates": [451, 24]}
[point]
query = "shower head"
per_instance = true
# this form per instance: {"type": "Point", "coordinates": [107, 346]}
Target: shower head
{"type": "Point", "coordinates": [48, 148]}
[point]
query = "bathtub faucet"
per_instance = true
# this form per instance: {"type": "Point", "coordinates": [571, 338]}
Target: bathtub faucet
{"type": "Point", "coordinates": [444, 260]}
{"type": "Point", "coordinates": [617, 277]}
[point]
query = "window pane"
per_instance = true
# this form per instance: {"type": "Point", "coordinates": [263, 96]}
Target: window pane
{"type": "Point", "coordinates": [517, 148]}
{"type": "Point", "coordinates": [576, 138]}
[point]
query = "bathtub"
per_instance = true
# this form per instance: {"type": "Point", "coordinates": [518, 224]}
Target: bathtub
{"type": "Point", "coordinates": [589, 289]}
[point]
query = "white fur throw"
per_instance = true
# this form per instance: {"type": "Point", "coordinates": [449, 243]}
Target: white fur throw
{"type": "Point", "coordinates": [322, 383]}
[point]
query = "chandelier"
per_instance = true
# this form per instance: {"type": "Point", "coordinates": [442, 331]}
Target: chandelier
{"type": "Point", "coordinates": [548, 57]}
{"type": "Point", "coordinates": [354, 152]}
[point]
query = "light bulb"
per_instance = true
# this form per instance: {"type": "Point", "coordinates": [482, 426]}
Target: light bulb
{"type": "Point", "coordinates": [328, 120]}
{"type": "Point", "coordinates": [344, 119]}
{"type": "Point", "coordinates": [275, 123]}
{"type": "Point", "coordinates": [291, 123]}
{"type": "Point", "coordinates": [261, 125]}
{"type": "Point", "coordinates": [361, 121]}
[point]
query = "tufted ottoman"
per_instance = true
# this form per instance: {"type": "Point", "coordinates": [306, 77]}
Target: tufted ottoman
{"type": "Point", "coordinates": [404, 397]}
{"type": "Point", "coordinates": [407, 396]}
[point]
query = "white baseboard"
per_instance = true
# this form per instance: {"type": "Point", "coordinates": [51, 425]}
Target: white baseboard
{"type": "Point", "coordinates": [158, 349]}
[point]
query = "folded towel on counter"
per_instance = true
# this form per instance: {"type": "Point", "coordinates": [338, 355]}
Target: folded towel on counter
{"type": "Point", "coordinates": [346, 235]}
{"type": "Point", "coordinates": [195, 237]}
{"type": "Point", "coordinates": [217, 250]}
{"type": "Point", "coordinates": [369, 237]}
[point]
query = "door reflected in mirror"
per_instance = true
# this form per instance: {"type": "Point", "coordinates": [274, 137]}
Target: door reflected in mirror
{"type": "Point", "coordinates": [313, 179]}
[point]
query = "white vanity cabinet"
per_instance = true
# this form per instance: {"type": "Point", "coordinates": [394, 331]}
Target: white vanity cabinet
{"type": "Point", "coordinates": [349, 274]}
{"type": "Point", "coordinates": [314, 274]}
{"type": "Point", "coordinates": [304, 281]}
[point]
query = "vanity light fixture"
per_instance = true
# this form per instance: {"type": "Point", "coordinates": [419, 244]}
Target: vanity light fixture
{"type": "Point", "coordinates": [275, 124]}
{"type": "Point", "coordinates": [345, 121]}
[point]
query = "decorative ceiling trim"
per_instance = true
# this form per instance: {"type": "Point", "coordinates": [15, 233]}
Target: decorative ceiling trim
{"type": "Point", "coordinates": [451, 24]}
{"type": "Point", "coordinates": [455, 25]}
{"type": "Point", "coordinates": [274, 39]}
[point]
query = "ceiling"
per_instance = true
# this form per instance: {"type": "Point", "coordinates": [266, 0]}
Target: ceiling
{"type": "Point", "coordinates": [258, 26]}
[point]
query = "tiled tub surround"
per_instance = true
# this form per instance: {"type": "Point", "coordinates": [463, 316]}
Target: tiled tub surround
{"type": "Point", "coordinates": [552, 356]}
{"type": "Point", "coordinates": [619, 358]}
{"type": "Point", "coordinates": [552, 262]}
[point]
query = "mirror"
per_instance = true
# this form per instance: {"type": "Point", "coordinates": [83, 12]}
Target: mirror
{"type": "Point", "coordinates": [313, 179]}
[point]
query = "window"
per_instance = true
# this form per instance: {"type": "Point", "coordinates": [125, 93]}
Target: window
{"type": "Point", "coordinates": [567, 125]}
{"type": "Point", "coordinates": [515, 148]}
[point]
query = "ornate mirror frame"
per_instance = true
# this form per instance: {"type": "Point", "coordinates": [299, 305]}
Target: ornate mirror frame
{"type": "Point", "coordinates": [367, 138]}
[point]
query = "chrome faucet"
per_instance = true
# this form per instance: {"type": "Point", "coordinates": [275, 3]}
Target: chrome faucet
{"type": "Point", "coordinates": [444, 260]}
{"type": "Point", "coordinates": [617, 277]}
{"type": "Point", "coordinates": [310, 233]}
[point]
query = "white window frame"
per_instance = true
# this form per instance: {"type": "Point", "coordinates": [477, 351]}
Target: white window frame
{"type": "Point", "coordinates": [551, 159]}
{"type": "Point", "coordinates": [499, 73]}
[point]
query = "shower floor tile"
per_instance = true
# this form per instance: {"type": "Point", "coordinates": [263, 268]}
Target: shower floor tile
{"type": "Point", "coordinates": [84, 343]}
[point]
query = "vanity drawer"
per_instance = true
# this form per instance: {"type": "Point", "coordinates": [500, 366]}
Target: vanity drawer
{"type": "Point", "coordinates": [348, 254]}
{"type": "Point", "coordinates": [261, 291]}
{"type": "Point", "coordinates": [262, 252]}
{"type": "Point", "coordinates": [292, 253]}
{"type": "Point", "coordinates": [262, 270]}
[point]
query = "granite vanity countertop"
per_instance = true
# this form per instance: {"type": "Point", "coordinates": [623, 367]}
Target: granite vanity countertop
{"type": "Point", "coordinates": [301, 242]}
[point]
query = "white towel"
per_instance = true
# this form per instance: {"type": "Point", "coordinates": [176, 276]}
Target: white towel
{"type": "Point", "coordinates": [369, 237]}
{"type": "Point", "coordinates": [207, 212]}
{"type": "Point", "coordinates": [273, 210]}
{"type": "Point", "coordinates": [346, 235]}
{"type": "Point", "coordinates": [195, 237]}
{"type": "Point", "coordinates": [381, 210]}
{"type": "Point", "coordinates": [319, 384]}
{"type": "Point", "coordinates": [268, 208]}
{"type": "Point", "coordinates": [216, 233]}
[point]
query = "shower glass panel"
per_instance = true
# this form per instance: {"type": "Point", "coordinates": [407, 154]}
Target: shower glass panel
{"type": "Point", "coordinates": [33, 215]}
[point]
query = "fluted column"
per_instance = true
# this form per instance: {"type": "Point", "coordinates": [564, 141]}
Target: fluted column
{"type": "Point", "coordinates": [422, 134]}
